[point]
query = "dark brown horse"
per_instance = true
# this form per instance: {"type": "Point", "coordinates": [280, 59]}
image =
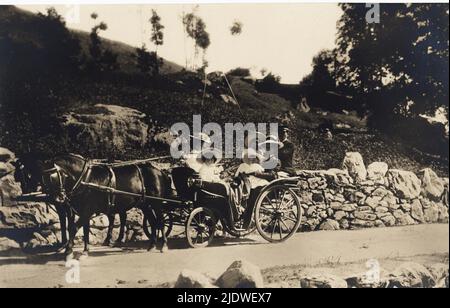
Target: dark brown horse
{"type": "Point", "coordinates": [36, 175]}
{"type": "Point", "coordinates": [141, 179]}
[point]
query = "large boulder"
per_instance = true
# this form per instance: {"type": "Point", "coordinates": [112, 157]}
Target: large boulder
{"type": "Point", "coordinates": [9, 189]}
{"type": "Point", "coordinates": [107, 126]}
{"type": "Point", "coordinates": [27, 216]}
{"type": "Point", "coordinates": [411, 275]}
{"type": "Point", "coordinates": [323, 281]}
{"type": "Point", "coordinates": [354, 165]}
{"type": "Point", "coordinates": [405, 184]}
{"type": "Point", "coordinates": [440, 274]}
{"type": "Point", "coordinates": [192, 280]}
{"type": "Point", "coordinates": [241, 274]}
{"type": "Point", "coordinates": [432, 185]}
{"type": "Point", "coordinates": [377, 171]}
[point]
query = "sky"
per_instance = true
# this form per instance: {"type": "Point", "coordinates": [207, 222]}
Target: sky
{"type": "Point", "coordinates": [281, 38]}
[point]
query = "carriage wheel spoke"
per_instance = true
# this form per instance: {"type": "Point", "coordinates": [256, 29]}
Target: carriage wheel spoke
{"type": "Point", "coordinates": [287, 228]}
{"type": "Point", "coordinates": [279, 229]}
{"type": "Point", "coordinates": [282, 200]}
{"type": "Point", "coordinates": [273, 228]}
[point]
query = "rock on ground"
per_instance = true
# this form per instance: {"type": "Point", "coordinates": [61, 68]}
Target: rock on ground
{"type": "Point", "coordinates": [405, 184]}
{"type": "Point", "coordinates": [354, 165]}
{"type": "Point", "coordinates": [189, 279]}
{"type": "Point", "coordinates": [241, 274]}
{"type": "Point", "coordinates": [432, 185]}
{"type": "Point", "coordinates": [377, 171]}
{"type": "Point", "coordinates": [411, 275]}
{"type": "Point", "coordinates": [7, 244]}
{"type": "Point", "coordinates": [323, 281]}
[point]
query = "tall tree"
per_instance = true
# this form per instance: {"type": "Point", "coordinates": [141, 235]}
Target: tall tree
{"type": "Point", "coordinates": [157, 36]}
{"type": "Point", "coordinates": [101, 59]}
{"type": "Point", "coordinates": [195, 29]}
{"type": "Point", "coordinates": [398, 67]}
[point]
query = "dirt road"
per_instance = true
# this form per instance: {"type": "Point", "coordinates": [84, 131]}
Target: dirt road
{"type": "Point", "coordinates": [110, 267]}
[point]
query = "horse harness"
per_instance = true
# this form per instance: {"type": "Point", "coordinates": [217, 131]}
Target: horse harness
{"type": "Point", "coordinates": [84, 180]}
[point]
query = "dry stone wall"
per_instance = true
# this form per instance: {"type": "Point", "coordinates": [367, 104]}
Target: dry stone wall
{"type": "Point", "coordinates": [353, 197]}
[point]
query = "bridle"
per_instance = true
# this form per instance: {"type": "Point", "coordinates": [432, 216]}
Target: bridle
{"type": "Point", "coordinates": [62, 173]}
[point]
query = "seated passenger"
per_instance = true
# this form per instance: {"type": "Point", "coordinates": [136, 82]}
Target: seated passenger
{"type": "Point", "coordinates": [251, 166]}
{"type": "Point", "coordinates": [210, 170]}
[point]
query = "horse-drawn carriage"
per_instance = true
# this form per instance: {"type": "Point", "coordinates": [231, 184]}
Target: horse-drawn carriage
{"type": "Point", "coordinates": [275, 213]}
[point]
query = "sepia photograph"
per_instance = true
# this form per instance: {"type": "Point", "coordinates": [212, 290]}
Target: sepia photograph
{"type": "Point", "coordinates": [237, 147]}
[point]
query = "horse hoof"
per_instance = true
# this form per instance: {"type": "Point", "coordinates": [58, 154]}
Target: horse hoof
{"type": "Point", "coordinates": [164, 249]}
{"type": "Point", "coordinates": [151, 248]}
{"type": "Point", "coordinates": [106, 244]}
{"type": "Point", "coordinates": [117, 244]}
{"type": "Point", "coordinates": [84, 256]}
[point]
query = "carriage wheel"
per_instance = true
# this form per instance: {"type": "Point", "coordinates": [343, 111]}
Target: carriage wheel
{"type": "Point", "coordinates": [168, 225]}
{"type": "Point", "coordinates": [278, 214]}
{"type": "Point", "coordinates": [200, 227]}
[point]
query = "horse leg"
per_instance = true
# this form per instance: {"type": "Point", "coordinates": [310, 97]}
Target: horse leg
{"type": "Point", "coordinates": [153, 225]}
{"type": "Point", "coordinates": [110, 230]}
{"type": "Point", "coordinates": [123, 222]}
{"type": "Point", "coordinates": [62, 214]}
{"type": "Point", "coordinates": [73, 229]}
{"type": "Point", "coordinates": [161, 228]}
{"type": "Point", "coordinates": [86, 230]}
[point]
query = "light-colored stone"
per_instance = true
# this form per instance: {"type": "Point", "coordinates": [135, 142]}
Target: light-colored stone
{"type": "Point", "coordinates": [6, 168]}
{"type": "Point", "coordinates": [405, 184]}
{"type": "Point", "coordinates": [365, 215]}
{"type": "Point", "coordinates": [411, 275]}
{"type": "Point", "coordinates": [389, 220]}
{"type": "Point", "coordinates": [377, 171]}
{"type": "Point", "coordinates": [9, 189]}
{"type": "Point", "coordinates": [6, 155]}
{"type": "Point", "coordinates": [323, 281]}
{"type": "Point", "coordinates": [432, 185]}
{"type": "Point", "coordinates": [192, 280]}
{"type": "Point", "coordinates": [431, 213]}
{"type": "Point", "coordinates": [340, 215]}
{"type": "Point", "coordinates": [7, 244]}
{"type": "Point", "coordinates": [329, 225]}
{"type": "Point", "coordinates": [354, 165]}
{"type": "Point", "coordinates": [241, 274]}
{"type": "Point", "coordinates": [359, 223]}
{"type": "Point", "coordinates": [443, 214]}
{"type": "Point", "coordinates": [417, 211]}
{"type": "Point", "coordinates": [338, 177]}
{"type": "Point", "coordinates": [439, 271]}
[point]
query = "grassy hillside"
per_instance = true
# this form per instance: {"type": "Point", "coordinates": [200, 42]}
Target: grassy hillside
{"type": "Point", "coordinates": [17, 23]}
{"type": "Point", "coordinates": [29, 113]}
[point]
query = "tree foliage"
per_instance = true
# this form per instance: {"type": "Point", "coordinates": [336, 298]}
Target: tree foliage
{"type": "Point", "coordinates": [195, 29]}
{"type": "Point", "coordinates": [147, 62]}
{"type": "Point", "coordinates": [236, 28]}
{"type": "Point", "coordinates": [398, 67]}
{"type": "Point", "coordinates": [102, 60]}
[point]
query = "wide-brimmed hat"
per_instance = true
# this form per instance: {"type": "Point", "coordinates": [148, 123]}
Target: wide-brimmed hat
{"type": "Point", "coordinates": [203, 137]}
